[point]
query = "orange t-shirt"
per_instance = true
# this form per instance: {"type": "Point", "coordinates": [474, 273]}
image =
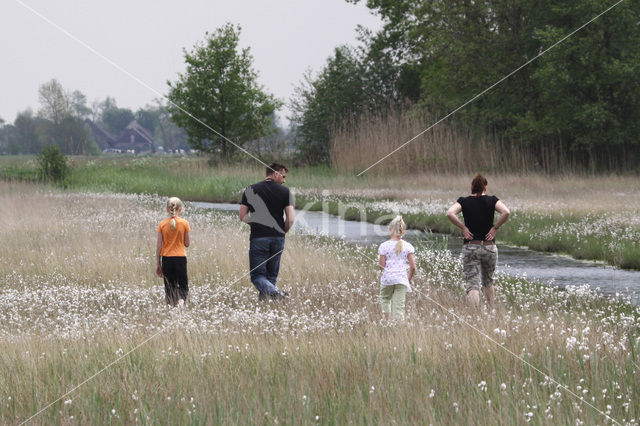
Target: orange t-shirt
{"type": "Point", "coordinates": [173, 241]}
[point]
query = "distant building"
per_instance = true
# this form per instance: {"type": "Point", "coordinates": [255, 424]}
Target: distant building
{"type": "Point", "coordinates": [134, 138]}
{"type": "Point", "coordinates": [103, 139]}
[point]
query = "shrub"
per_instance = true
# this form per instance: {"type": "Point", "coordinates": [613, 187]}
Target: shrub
{"type": "Point", "coordinates": [52, 165]}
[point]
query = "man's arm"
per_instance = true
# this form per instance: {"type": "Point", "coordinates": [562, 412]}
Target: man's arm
{"type": "Point", "coordinates": [244, 214]}
{"type": "Point", "coordinates": [289, 218]}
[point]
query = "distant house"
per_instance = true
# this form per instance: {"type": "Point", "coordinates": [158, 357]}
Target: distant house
{"type": "Point", "coordinates": [103, 139]}
{"type": "Point", "coordinates": [134, 138]}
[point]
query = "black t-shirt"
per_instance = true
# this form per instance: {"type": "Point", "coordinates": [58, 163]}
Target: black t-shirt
{"type": "Point", "coordinates": [478, 214]}
{"type": "Point", "coordinates": [266, 201]}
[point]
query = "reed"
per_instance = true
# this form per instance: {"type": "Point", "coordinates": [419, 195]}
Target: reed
{"type": "Point", "coordinates": [453, 147]}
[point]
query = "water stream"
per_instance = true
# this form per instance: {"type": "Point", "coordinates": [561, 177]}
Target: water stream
{"type": "Point", "coordinates": [552, 269]}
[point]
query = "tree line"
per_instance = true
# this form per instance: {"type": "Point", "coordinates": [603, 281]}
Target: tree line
{"type": "Point", "coordinates": [575, 104]}
{"type": "Point", "coordinates": [63, 118]}
{"type": "Point", "coordinates": [579, 100]}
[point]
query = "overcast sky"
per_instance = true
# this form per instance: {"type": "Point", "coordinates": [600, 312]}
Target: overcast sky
{"type": "Point", "coordinates": [146, 39]}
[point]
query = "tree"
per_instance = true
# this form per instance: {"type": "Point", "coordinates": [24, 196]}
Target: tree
{"type": "Point", "coordinates": [591, 94]}
{"type": "Point", "coordinates": [25, 138]}
{"type": "Point", "coordinates": [336, 95]}
{"type": "Point", "coordinates": [52, 165]}
{"type": "Point", "coordinates": [117, 119]}
{"type": "Point", "coordinates": [78, 105]}
{"type": "Point", "coordinates": [167, 132]}
{"type": "Point", "coordinates": [581, 96]}
{"type": "Point", "coordinates": [61, 121]}
{"type": "Point", "coordinates": [54, 101]}
{"type": "Point", "coordinates": [148, 117]}
{"type": "Point", "coordinates": [276, 143]}
{"type": "Point", "coordinates": [4, 137]}
{"type": "Point", "coordinates": [99, 107]}
{"type": "Point", "coordinates": [220, 89]}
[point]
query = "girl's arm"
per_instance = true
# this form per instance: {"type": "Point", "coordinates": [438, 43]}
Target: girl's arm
{"type": "Point", "coordinates": [383, 261]}
{"type": "Point", "coordinates": [412, 266]}
{"type": "Point", "coordinates": [159, 245]}
{"type": "Point", "coordinates": [187, 240]}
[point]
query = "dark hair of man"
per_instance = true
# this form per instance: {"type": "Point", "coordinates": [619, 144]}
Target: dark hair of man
{"type": "Point", "coordinates": [478, 184]}
{"type": "Point", "coordinates": [276, 167]}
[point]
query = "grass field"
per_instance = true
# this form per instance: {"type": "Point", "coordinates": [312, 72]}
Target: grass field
{"type": "Point", "coordinates": [587, 217]}
{"type": "Point", "coordinates": [79, 294]}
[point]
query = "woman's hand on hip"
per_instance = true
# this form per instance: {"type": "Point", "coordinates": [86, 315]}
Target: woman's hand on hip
{"type": "Point", "coordinates": [467, 234]}
{"type": "Point", "coordinates": [491, 234]}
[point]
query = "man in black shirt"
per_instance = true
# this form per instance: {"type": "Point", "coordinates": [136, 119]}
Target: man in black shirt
{"type": "Point", "coordinates": [264, 207]}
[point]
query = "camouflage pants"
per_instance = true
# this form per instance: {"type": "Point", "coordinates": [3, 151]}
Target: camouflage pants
{"type": "Point", "coordinates": [478, 265]}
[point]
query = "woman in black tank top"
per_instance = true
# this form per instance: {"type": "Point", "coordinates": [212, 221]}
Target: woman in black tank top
{"type": "Point", "coordinates": [479, 252]}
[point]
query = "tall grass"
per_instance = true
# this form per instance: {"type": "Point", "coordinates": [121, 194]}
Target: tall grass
{"type": "Point", "coordinates": [455, 148]}
{"type": "Point", "coordinates": [588, 217]}
{"type": "Point", "coordinates": [79, 292]}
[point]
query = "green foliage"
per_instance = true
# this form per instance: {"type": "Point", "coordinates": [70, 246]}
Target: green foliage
{"type": "Point", "coordinates": [60, 121]}
{"type": "Point", "coordinates": [220, 88]}
{"type": "Point", "coordinates": [4, 140]}
{"type": "Point", "coordinates": [165, 132]}
{"type": "Point", "coordinates": [336, 94]}
{"type": "Point", "coordinates": [149, 118]}
{"type": "Point", "coordinates": [579, 100]}
{"type": "Point", "coordinates": [70, 135]}
{"type": "Point", "coordinates": [52, 165]}
{"type": "Point", "coordinates": [591, 96]}
{"type": "Point", "coordinates": [116, 119]}
{"type": "Point", "coordinates": [351, 83]}
{"type": "Point", "coordinates": [54, 101]}
{"type": "Point", "coordinates": [24, 137]}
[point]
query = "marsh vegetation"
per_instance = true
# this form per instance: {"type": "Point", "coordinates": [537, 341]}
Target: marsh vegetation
{"type": "Point", "coordinates": [79, 294]}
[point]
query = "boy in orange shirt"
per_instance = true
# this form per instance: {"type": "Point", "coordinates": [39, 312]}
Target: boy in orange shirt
{"type": "Point", "coordinates": [171, 256]}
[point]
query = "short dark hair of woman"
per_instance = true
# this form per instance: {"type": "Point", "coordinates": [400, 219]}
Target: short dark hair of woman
{"type": "Point", "coordinates": [276, 167]}
{"type": "Point", "coordinates": [478, 184]}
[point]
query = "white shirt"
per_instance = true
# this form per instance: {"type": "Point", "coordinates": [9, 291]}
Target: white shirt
{"type": "Point", "coordinates": [396, 265]}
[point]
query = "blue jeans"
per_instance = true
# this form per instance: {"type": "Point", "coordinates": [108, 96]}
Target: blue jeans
{"type": "Point", "coordinates": [264, 273]}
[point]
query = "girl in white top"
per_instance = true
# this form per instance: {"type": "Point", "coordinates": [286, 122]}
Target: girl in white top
{"type": "Point", "coordinates": [396, 256]}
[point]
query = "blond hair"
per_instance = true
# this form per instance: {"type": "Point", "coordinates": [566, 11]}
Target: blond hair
{"type": "Point", "coordinates": [174, 206]}
{"type": "Point", "coordinates": [397, 228]}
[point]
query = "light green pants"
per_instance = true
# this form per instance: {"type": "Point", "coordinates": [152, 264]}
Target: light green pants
{"type": "Point", "coordinates": [392, 299]}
